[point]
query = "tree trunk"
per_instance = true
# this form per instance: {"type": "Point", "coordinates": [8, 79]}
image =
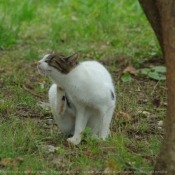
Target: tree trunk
{"type": "Point", "coordinates": [152, 13]}
{"type": "Point", "coordinates": [164, 19]}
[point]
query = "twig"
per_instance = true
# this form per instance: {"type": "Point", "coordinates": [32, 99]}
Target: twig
{"type": "Point", "coordinates": [154, 87]}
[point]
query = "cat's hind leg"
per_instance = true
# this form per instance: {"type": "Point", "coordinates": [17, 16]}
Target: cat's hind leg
{"type": "Point", "coordinates": [106, 117]}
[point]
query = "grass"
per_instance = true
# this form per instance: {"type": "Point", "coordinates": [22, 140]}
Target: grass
{"type": "Point", "coordinates": [111, 32]}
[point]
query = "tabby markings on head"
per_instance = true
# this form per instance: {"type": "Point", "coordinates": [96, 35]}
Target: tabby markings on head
{"type": "Point", "coordinates": [63, 64]}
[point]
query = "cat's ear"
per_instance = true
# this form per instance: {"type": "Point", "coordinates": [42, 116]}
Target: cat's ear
{"type": "Point", "coordinates": [72, 59]}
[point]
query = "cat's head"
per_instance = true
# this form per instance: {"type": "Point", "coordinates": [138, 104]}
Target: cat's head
{"type": "Point", "coordinates": [51, 63]}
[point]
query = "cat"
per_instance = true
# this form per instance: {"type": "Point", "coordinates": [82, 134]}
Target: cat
{"type": "Point", "coordinates": [83, 95]}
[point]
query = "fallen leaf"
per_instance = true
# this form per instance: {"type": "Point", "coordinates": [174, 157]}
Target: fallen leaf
{"type": "Point", "coordinates": [88, 154]}
{"type": "Point", "coordinates": [130, 69]}
{"type": "Point", "coordinates": [11, 162]}
{"type": "Point", "coordinates": [19, 160]}
{"type": "Point", "coordinates": [156, 102]}
{"type": "Point", "coordinates": [113, 167]}
{"type": "Point", "coordinates": [41, 80]}
{"type": "Point", "coordinates": [28, 170]}
{"type": "Point", "coordinates": [126, 117]}
{"type": "Point", "coordinates": [6, 162]}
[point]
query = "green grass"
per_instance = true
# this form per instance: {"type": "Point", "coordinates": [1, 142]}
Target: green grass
{"type": "Point", "coordinates": [112, 32]}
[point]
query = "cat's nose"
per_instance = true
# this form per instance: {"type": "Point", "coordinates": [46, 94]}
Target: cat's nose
{"type": "Point", "coordinates": [39, 63]}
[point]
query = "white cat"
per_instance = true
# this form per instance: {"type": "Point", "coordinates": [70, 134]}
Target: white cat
{"type": "Point", "coordinates": [82, 95]}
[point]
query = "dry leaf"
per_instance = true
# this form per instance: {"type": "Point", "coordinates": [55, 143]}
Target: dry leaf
{"type": "Point", "coordinates": [130, 69]}
{"type": "Point", "coordinates": [6, 162]}
{"type": "Point", "coordinates": [19, 160]}
{"type": "Point", "coordinates": [126, 117]}
{"type": "Point", "coordinates": [41, 80]}
{"type": "Point", "coordinates": [11, 162]}
{"type": "Point", "coordinates": [156, 102]}
{"type": "Point", "coordinates": [28, 170]}
{"type": "Point", "coordinates": [113, 167]}
{"type": "Point", "coordinates": [88, 154]}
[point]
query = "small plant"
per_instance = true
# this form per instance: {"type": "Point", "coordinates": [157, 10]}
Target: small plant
{"type": "Point", "coordinates": [60, 151]}
{"type": "Point", "coordinates": [155, 73]}
{"type": "Point", "coordinates": [126, 77]}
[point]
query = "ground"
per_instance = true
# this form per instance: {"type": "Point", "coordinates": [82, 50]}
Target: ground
{"type": "Point", "coordinates": [30, 140]}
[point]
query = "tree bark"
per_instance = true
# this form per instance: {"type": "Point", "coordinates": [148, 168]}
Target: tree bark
{"type": "Point", "coordinates": [165, 20]}
{"type": "Point", "coordinates": [153, 15]}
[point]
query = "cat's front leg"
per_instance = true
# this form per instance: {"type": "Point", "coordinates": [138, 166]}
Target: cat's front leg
{"type": "Point", "coordinates": [74, 140]}
{"type": "Point", "coordinates": [80, 125]}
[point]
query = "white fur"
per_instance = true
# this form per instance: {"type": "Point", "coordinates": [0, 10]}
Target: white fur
{"type": "Point", "coordinates": [88, 87]}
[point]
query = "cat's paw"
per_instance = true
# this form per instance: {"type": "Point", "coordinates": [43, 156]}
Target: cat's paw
{"type": "Point", "coordinates": [74, 140]}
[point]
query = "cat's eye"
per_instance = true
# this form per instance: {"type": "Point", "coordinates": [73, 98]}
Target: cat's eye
{"type": "Point", "coordinates": [46, 61]}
